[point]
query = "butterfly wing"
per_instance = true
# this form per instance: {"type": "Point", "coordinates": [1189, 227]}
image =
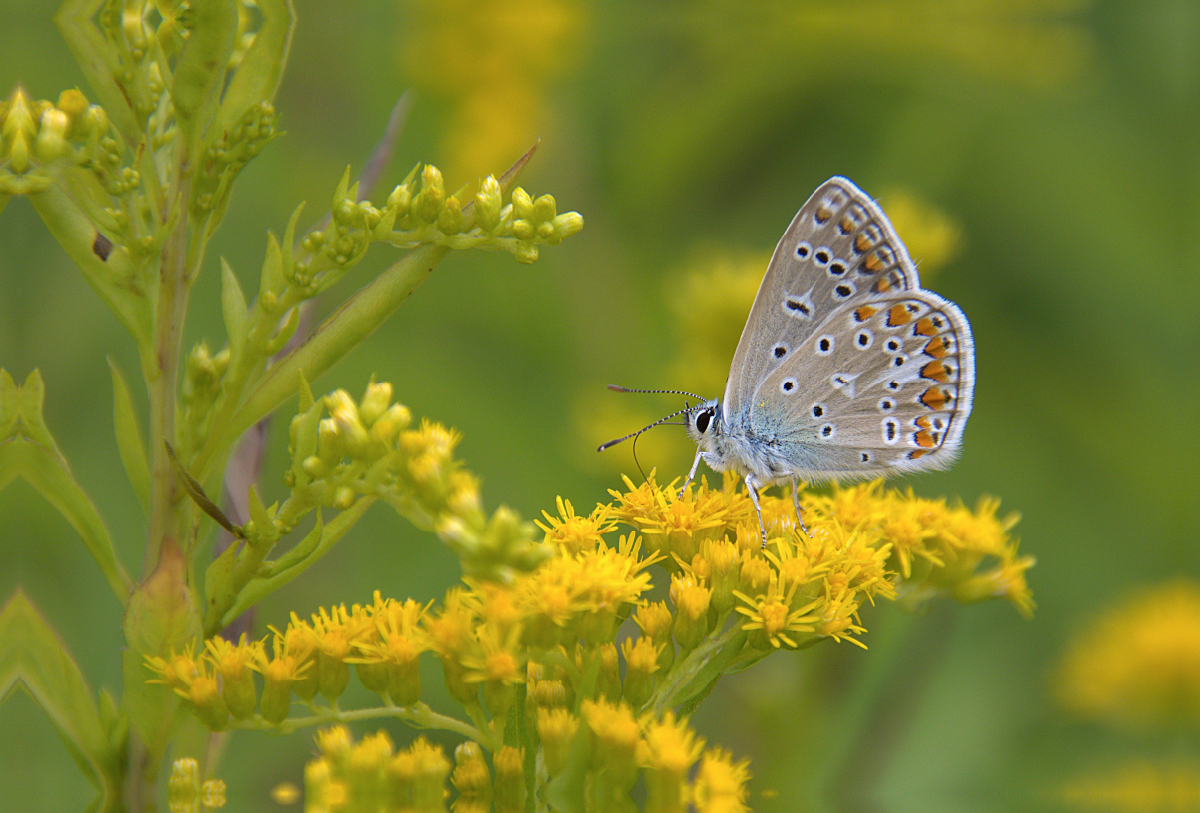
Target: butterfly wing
{"type": "Point", "coordinates": [839, 247]}
{"type": "Point", "coordinates": [883, 386]}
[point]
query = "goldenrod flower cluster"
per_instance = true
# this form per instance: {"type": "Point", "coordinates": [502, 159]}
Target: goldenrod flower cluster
{"type": "Point", "coordinates": [369, 449]}
{"type": "Point", "coordinates": [542, 646]}
{"type": "Point", "coordinates": [419, 211]}
{"type": "Point", "coordinates": [1139, 663]}
{"type": "Point", "coordinates": [37, 134]}
{"type": "Point", "coordinates": [1136, 787]}
{"type": "Point", "coordinates": [679, 772]}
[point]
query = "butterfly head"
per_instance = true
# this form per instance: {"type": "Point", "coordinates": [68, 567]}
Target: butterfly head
{"type": "Point", "coordinates": [703, 422]}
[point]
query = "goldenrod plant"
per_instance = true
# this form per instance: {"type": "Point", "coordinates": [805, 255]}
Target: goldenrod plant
{"type": "Point", "coordinates": [1134, 673]}
{"type": "Point", "coordinates": [571, 680]}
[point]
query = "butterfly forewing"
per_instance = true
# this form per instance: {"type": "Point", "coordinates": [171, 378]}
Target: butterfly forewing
{"type": "Point", "coordinates": [840, 249]}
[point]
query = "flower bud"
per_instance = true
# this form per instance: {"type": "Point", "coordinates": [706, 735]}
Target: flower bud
{"type": "Point", "coordinates": [428, 203]}
{"type": "Point", "coordinates": [510, 780]}
{"type": "Point", "coordinates": [210, 706]}
{"type": "Point", "coordinates": [471, 775]}
{"type": "Point", "coordinates": [556, 728]}
{"type": "Point", "coordinates": [52, 135]}
{"type": "Point", "coordinates": [488, 203]}
{"type": "Point", "coordinates": [450, 220]}
{"type": "Point", "coordinates": [641, 662]}
{"type": "Point", "coordinates": [691, 615]}
{"type": "Point", "coordinates": [756, 575]}
{"type": "Point", "coordinates": [374, 402]}
{"type": "Point", "coordinates": [522, 205]}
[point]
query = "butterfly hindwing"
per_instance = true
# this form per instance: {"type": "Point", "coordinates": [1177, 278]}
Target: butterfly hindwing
{"type": "Point", "coordinates": [876, 389]}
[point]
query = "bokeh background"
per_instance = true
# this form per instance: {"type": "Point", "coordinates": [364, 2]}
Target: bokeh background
{"type": "Point", "coordinates": [1040, 157]}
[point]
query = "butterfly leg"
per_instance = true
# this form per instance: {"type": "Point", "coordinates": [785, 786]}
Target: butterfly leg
{"type": "Point", "coordinates": [796, 502]}
{"type": "Point", "coordinates": [754, 499]}
{"type": "Point", "coordinates": [691, 474]}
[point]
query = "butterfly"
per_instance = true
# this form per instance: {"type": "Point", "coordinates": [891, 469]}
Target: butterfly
{"type": "Point", "coordinates": [847, 368]}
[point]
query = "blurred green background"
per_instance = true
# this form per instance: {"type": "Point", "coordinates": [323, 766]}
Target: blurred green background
{"type": "Point", "coordinates": [1059, 139]}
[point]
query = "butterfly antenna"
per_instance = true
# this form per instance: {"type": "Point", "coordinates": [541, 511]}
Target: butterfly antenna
{"type": "Point", "coordinates": [663, 420]}
{"type": "Point", "coordinates": [619, 388]}
{"type": "Point", "coordinates": [637, 462]}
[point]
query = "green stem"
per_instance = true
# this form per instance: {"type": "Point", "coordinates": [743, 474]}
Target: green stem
{"type": "Point", "coordinates": [163, 382]}
{"type": "Point", "coordinates": [684, 670]}
{"type": "Point", "coordinates": [340, 333]}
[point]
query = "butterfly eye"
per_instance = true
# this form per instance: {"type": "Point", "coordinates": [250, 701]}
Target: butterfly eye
{"type": "Point", "coordinates": [702, 420]}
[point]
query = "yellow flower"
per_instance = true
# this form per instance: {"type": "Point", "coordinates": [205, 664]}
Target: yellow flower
{"type": "Point", "coordinates": [1139, 663]}
{"type": "Point", "coordinates": [574, 533]}
{"type": "Point", "coordinates": [667, 752]}
{"type": "Point", "coordinates": [1136, 787]}
{"type": "Point", "coordinates": [616, 734]}
{"type": "Point", "coordinates": [771, 612]}
{"type": "Point", "coordinates": [932, 237]}
{"type": "Point", "coordinates": [495, 62]}
{"type": "Point", "coordinates": [679, 524]}
{"type": "Point", "coordinates": [720, 785]}
{"type": "Point", "coordinates": [175, 671]}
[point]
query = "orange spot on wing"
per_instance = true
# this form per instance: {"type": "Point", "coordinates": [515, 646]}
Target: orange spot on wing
{"type": "Point", "coordinates": [924, 439]}
{"type": "Point", "coordinates": [846, 225]}
{"type": "Point", "coordinates": [898, 315]}
{"type": "Point", "coordinates": [936, 348]}
{"type": "Point", "coordinates": [883, 286]}
{"type": "Point", "coordinates": [861, 244]}
{"type": "Point", "coordinates": [923, 422]}
{"type": "Point", "coordinates": [915, 453]}
{"type": "Point", "coordinates": [934, 398]}
{"type": "Point", "coordinates": [935, 371]}
{"type": "Point", "coordinates": [865, 312]}
{"type": "Point", "coordinates": [823, 214]}
{"type": "Point", "coordinates": [924, 327]}
{"type": "Point", "coordinates": [873, 264]}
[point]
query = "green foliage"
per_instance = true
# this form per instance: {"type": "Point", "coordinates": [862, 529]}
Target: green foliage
{"type": "Point", "coordinates": [134, 190]}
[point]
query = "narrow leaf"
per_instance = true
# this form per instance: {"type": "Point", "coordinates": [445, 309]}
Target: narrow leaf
{"type": "Point", "coordinates": [233, 308]}
{"type": "Point", "coordinates": [129, 438]}
{"type": "Point", "coordinates": [200, 70]}
{"type": "Point", "coordinates": [257, 76]}
{"type": "Point", "coordinates": [196, 492]}
{"type": "Point", "coordinates": [99, 61]}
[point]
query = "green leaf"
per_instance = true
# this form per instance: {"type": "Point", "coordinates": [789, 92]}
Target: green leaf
{"type": "Point", "coordinates": [100, 63]}
{"type": "Point", "coordinates": [233, 308]}
{"type": "Point", "coordinates": [33, 659]}
{"type": "Point", "coordinates": [200, 70]}
{"type": "Point", "coordinates": [344, 330]}
{"type": "Point", "coordinates": [265, 531]}
{"type": "Point", "coordinates": [707, 675]}
{"type": "Point", "coordinates": [29, 452]}
{"type": "Point", "coordinates": [565, 792]}
{"type": "Point", "coordinates": [257, 76]}
{"type": "Point", "coordinates": [129, 437]}
{"type": "Point", "coordinates": [153, 709]}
